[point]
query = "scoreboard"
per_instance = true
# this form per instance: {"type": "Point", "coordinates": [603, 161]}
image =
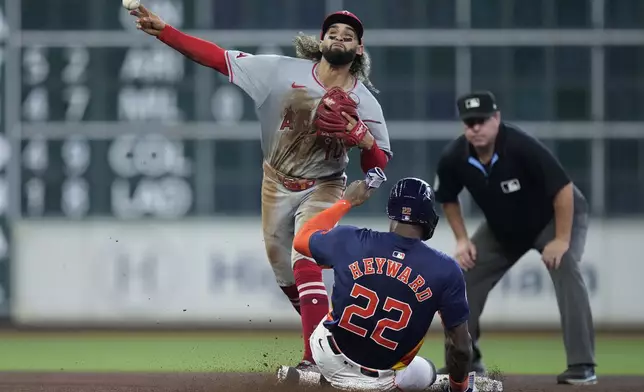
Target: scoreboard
{"type": "Point", "coordinates": [101, 113]}
{"type": "Point", "coordinates": [96, 117]}
{"type": "Point", "coordinates": [77, 83]}
{"type": "Point", "coordinates": [70, 172]}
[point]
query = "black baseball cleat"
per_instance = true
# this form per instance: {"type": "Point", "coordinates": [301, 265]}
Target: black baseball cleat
{"type": "Point", "coordinates": [578, 375]}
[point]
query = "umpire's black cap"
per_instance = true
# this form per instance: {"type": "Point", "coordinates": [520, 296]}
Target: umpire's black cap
{"type": "Point", "coordinates": [478, 104]}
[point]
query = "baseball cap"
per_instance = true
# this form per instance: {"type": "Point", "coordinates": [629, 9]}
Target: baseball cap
{"type": "Point", "coordinates": [478, 104]}
{"type": "Point", "coordinates": [345, 17]}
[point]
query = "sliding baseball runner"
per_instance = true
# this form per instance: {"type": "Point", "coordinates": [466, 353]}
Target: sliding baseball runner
{"type": "Point", "coordinates": [388, 287]}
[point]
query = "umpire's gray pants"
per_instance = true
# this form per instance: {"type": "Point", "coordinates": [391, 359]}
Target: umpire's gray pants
{"type": "Point", "coordinates": [493, 261]}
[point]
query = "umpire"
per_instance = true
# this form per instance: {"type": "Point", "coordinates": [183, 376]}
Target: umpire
{"type": "Point", "coordinates": [529, 202]}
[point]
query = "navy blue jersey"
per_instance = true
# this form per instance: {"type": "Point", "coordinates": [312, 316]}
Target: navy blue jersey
{"type": "Point", "coordinates": [387, 289]}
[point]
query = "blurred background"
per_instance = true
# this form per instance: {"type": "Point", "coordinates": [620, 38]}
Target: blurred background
{"type": "Point", "coordinates": [130, 176]}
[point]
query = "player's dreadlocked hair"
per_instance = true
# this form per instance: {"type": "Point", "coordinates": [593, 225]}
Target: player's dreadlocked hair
{"type": "Point", "coordinates": [308, 47]}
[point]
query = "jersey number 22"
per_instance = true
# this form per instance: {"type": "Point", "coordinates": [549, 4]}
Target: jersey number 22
{"type": "Point", "coordinates": [370, 310]}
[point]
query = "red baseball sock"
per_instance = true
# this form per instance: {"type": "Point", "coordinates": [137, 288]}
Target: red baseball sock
{"type": "Point", "coordinates": [293, 296]}
{"type": "Point", "coordinates": [314, 300]}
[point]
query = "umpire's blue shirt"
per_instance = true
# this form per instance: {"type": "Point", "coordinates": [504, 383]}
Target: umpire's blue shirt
{"type": "Point", "coordinates": [515, 190]}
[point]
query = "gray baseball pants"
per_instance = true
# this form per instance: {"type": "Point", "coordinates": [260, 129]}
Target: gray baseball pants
{"type": "Point", "coordinates": [493, 261]}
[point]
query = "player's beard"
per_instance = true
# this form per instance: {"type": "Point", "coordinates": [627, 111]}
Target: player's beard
{"type": "Point", "coordinates": [338, 57]}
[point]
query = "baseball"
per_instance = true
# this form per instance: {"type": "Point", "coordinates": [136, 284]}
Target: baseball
{"type": "Point", "coordinates": [131, 4]}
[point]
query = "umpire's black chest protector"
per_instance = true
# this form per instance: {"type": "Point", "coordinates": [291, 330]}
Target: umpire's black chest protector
{"type": "Point", "coordinates": [510, 189]}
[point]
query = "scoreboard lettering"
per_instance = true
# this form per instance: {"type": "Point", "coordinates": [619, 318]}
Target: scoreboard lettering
{"type": "Point", "coordinates": [72, 84]}
{"type": "Point", "coordinates": [164, 190]}
{"type": "Point", "coordinates": [160, 102]}
{"type": "Point", "coordinates": [128, 177]}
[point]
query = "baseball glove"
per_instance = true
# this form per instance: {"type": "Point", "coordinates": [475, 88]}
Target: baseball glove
{"type": "Point", "coordinates": [329, 121]}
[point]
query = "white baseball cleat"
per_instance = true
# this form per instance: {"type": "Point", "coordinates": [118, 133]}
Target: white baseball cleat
{"type": "Point", "coordinates": [292, 376]}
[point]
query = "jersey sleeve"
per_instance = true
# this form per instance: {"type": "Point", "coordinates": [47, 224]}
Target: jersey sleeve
{"type": "Point", "coordinates": [255, 74]}
{"type": "Point", "coordinates": [374, 118]}
{"type": "Point", "coordinates": [544, 165]}
{"type": "Point", "coordinates": [447, 183]}
{"type": "Point", "coordinates": [454, 309]}
{"type": "Point", "coordinates": [325, 245]}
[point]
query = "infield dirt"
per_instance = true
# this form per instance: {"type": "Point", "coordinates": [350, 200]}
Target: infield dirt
{"type": "Point", "coordinates": [247, 382]}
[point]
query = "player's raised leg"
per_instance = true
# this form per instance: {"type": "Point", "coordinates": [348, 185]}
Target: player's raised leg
{"type": "Point", "coordinates": [314, 300]}
{"type": "Point", "coordinates": [277, 226]}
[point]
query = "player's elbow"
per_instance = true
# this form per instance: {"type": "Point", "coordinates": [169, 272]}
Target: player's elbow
{"type": "Point", "coordinates": [463, 350]}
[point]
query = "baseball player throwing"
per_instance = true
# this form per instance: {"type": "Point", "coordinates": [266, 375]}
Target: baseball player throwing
{"type": "Point", "coordinates": [388, 286]}
{"type": "Point", "coordinates": [312, 110]}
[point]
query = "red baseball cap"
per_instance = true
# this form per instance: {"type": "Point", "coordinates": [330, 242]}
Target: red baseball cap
{"type": "Point", "coordinates": [345, 17]}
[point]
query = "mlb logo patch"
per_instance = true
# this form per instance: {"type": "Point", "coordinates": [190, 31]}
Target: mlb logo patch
{"type": "Point", "coordinates": [472, 103]}
{"type": "Point", "coordinates": [399, 255]}
{"type": "Point", "coordinates": [511, 186]}
{"type": "Point", "coordinates": [406, 211]}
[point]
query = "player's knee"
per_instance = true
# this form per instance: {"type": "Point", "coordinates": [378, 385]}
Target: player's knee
{"type": "Point", "coordinates": [424, 371]}
{"type": "Point", "coordinates": [280, 262]}
{"type": "Point", "coordinates": [276, 253]}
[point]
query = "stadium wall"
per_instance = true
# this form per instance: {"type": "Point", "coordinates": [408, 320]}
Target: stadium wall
{"type": "Point", "coordinates": [214, 274]}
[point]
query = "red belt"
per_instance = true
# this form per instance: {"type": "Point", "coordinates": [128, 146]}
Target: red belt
{"type": "Point", "coordinates": [296, 184]}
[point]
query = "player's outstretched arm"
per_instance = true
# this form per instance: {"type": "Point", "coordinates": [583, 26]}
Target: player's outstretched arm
{"type": "Point", "coordinates": [357, 193]}
{"type": "Point", "coordinates": [198, 50]}
{"type": "Point", "coordinates": [323, 221]}
{"type": "Point", "coordinates": [458, 346]}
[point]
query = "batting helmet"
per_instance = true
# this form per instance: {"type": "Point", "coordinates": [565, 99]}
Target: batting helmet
{"type": "Point", "coordinates": [412, 200]}
{"type": "Point", "coordinates": [345, 17]}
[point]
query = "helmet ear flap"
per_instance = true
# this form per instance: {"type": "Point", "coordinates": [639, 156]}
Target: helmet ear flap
{"type": "Point", "coordinates": [428, 232]}
{"type": "Point", "coordinates": [430, 228]}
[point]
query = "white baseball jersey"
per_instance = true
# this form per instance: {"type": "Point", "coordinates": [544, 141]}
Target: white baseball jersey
{"type": "Point", "coordinates": [286, 91]}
